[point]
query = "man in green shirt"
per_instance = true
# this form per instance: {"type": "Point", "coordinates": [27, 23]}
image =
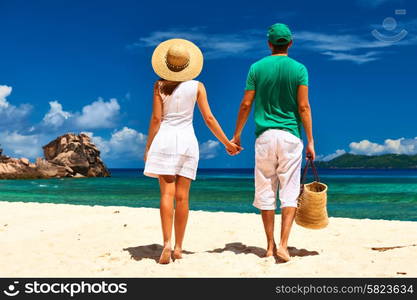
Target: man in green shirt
{"type": "Point", "coordinates": [279, 87]}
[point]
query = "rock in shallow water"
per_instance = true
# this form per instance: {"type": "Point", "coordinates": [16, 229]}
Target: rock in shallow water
{"type": "Point", "coordinates": [69, 155]}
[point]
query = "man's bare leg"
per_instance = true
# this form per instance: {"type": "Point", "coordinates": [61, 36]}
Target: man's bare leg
{"type": "Point", "coordinates": [268, 218]}
{"type": "Point", "coordinates": [287, 215]}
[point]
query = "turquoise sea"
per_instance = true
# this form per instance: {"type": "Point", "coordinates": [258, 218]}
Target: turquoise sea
{"type": "Point", "coordinates": [376, 194]}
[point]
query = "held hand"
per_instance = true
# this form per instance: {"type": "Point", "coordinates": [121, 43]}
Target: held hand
{"type": "Point", "coordinates": [236, 140]}
{"type": "Point", "coordinates": [233, 149]}
{"type": "Point", "coordinates": [310, 152]}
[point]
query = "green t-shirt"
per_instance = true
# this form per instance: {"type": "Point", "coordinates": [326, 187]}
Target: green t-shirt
{"type": "Point", "coordinates": [275, 80]}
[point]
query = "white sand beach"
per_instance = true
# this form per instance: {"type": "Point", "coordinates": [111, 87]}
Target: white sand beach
{"type": "Point", "coordinates": [57, 240]}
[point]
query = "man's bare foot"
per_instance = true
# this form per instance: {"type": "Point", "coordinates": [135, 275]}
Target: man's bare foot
{"type": "Point", "coordinates": [283, 254]}
{"type": "Point", "coordinates": [177, 254]}
{"type": "Point", "coordinates": [165, 257]}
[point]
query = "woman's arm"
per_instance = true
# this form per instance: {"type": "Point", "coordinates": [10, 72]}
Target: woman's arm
{"type": "Point", "coordinates": [156, 118]}
{"type": "Point", "coordinates": [211, 121]}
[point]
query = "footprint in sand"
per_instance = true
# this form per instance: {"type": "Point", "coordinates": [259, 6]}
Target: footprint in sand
{"type": "Point", "coordinates": [114, 259]}
{"type": "Point", "coordinates": [105, 254]}
{"type": "Point", "coordinates": [383, 249]}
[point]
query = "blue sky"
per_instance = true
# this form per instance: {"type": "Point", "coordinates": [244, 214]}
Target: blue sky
{"type": "Point", "coordinates": [85, 66]}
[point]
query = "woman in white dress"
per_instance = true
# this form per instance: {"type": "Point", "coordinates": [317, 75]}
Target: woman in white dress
{"type": "Point", "coordinates": [172, 148]}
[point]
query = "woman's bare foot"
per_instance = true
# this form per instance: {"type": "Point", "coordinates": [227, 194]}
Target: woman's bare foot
{"type": "Point", "coordinates": [177, 253]}
{"type": "Point", "coordinates": [283, 254]}
{"type": "Point", "coordinates": [270, 250]}
{"type": "Point", "coordinates": [269, 253]}
{"type": "Point", "coordinates": [165, 257]}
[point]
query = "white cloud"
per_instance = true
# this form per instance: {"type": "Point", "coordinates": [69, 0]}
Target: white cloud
{"type": "Point", "coordinates": [356, 58]}
{"type": "Point", "coordinates": [336, 42]}
{"type": "Point", "coordinates": [209, 149]}
{"type": "Point", "coordinates": [346, 47]}
{"type": "Point", "coordinates": [214, 45]}
{"type": "Point", "coordinates": [398, 146]}
{"type": "Point", "coordinates": [11, 116]}
{"type": "Point", "coordinates": [5, 91]}
{"type": "Point", "coordinates": [55, 116]}
{"type": "Point", "coordinates": [19, 145]}
{"type": "Point", "coordinates": [99, 114]}
{"type": "Point", "coordinates": [126, 143]}
{"type": "Point", "coordinates": [253, 43]}
{"type": "Point", "coordinates": [357, 48]}
{"type": "Point", "coordinates": [337, 153]}
{"type": "Point", "coordinates": [365, 147]}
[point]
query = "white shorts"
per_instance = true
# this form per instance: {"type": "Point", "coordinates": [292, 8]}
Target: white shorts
{"type": "Point", "coordinates": [278, 156]}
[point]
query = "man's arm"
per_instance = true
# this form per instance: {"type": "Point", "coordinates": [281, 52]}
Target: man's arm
{"type": "Point", "coordinates": [244, 111]}
{"type": "Point", "coordinates": [305, 113]}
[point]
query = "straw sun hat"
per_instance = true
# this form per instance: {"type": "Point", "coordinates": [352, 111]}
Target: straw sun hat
{"type": "Point", "coordinates": [177, 60]}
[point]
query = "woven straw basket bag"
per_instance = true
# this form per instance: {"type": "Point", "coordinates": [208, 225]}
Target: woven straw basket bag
{"type": "Point", "coordinates": [312, 202]}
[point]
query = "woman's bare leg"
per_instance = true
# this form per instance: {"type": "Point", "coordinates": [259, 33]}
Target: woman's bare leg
{"type": "Point", "coordinates": [166, 209]}
{"type": "Point", "coordinates": [182, 189]}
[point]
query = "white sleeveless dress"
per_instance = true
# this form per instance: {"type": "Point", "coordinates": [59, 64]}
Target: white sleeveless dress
{"type": "Point", "coordinates": [174, 150]}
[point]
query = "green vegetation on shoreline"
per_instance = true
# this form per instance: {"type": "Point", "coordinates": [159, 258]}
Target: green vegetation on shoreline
{"type": "Point", "coordinates": [385, 161]}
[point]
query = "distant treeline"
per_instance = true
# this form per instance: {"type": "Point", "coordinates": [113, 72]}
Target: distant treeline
{"type": "Point", "coordinates": [400, 161]}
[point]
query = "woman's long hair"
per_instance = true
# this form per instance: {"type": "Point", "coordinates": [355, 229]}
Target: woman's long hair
{"type": "Point", "coordinates": [168, 87]}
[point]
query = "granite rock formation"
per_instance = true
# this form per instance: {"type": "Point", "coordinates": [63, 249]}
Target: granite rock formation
{"type": "Point", "coordinates": [69, 155]}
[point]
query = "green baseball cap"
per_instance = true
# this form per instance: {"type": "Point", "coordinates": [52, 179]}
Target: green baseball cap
{"type": "Point", "coordinates": [279, 31]}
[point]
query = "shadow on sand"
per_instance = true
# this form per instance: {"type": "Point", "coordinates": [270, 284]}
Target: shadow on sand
{"type": "Point", "coordinates": [152, 251]}
{"type": "Point", "coordinates": [239, 248]}
{"type": "Point", "coordinates": [300, 252]}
